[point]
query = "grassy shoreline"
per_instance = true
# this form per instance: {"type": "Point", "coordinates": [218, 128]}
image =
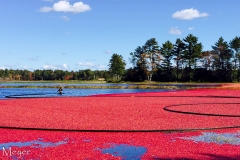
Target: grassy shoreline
{"type": "Point", "coordinates": [131, 85]}
{"type": "Point", "coordinates": [60, 81]}
{"type": "Point", "coordinates": [98, 87]}
{"type": "Point", "coordinates": [103, 82]}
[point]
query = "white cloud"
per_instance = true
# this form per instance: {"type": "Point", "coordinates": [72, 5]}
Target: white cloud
{"type": "Point", "coordinates": [66, 18]}
{"type": "Point", "coordinates": [25, 67]}
{"type": "Point", "coordinates": [49, 67]}
{"type": "Point", "coordinates": [14, 67]}
{"type": "Point", "coordinates": [65, 6]}
{"type": "Point", "coordinates": [91, 60]}
{"type": "Point", "coordinates": [175, 30]}
{"type": "Point", "coordinates": [191, 28]}
{"type": "Point", "coordinates": [90, 65]}
{"type": "Point", "coordinates": [54, 67]}
{"type": "Point", "coordinates": [65, 66]}
{"type": "Point", "coordinates": [102, 67]}
{"type": "Point", "coordinates": [2, 67]}
{"type": "Point", "coordinates": [188, 14]}
{"type": "Point", "coordinates": [86, 64]}
{"type": "Point", "coordinates": [8, 66]}
{"type": "Point", "coordinates": [107, 52]}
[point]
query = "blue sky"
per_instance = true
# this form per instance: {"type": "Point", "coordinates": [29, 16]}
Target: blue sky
{"type": "Point", "coordinates": [74, 34]}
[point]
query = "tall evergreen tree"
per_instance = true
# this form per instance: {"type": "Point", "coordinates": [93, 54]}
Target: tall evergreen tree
{"type": "Point", "coordinates": [192, 52]}
{"type": "Point", "coordinates": [167, 53]}
{"type": "Point", "coordinates": [207, 59]}
{"type": "Point", "coordinates": [152, 56]}
{"type": "Point", "coordinates": [235, 46]}
{"type": "Point", "coordinates": [139, 63]}
{"type": "Point", "coordinates": [223, 54]}
{"type": "Point", "coordinates": [117, 66]}
{"type": "Point", "coordinates": [179, 47]}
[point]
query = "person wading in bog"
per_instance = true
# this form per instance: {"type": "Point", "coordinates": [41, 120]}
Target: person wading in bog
{"type": "Point", "coordinates": [60, 90]}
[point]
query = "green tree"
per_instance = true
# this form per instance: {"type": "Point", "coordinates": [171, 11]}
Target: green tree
{"type": "Point", "coordinates": [235, 46]}
{"type": "Point", "coordinates": [37, 74]}
{"type": "Point", "coordinates": [75, 75]}
{"type": "Point", "coordinates": [223, 54]}
{"type": "Point", "coordinates": [222, 61]}
{"type": "Point", "coordinates": [2, 73]}
{"type": "Point", "coordinates": [25, 75]}
{"type": "Point", "coordinates": [179, 47]}
{"type": "Point", "coordinates": [84, 75]}
{"type": "Point", "coordinates": [59, 74]}
{"type": "Point", "coordinates": [207, 58]}
{"type": "Point", "coordinates": [117, 66]}
{"type": "Point", "coordinates": [167, 53]}
{"type": "Point", "coordinates": [6, 73]}
{"type": "Point", "coordinates": [47, 74]}
{"type": "Point", "coordinates": [139, 64]}
{"type": "Point", "coordinates": [192, 53]}
{"type": "Point", "coordinates": [238, 59]}
{"type": "Point", "coordinates": [106, 75]}
{"type": "Point", "coordinates": [89, 74]}
{"type": "Point", "coordinates": [152, 57]}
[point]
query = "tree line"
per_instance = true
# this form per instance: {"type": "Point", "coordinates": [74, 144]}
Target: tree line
{"type": "Point", "coordinates": [186, 61]}
{"type": "Point", "coordinates": [182, 61]}
{"type": "Point", "coordinates": [49, 74]}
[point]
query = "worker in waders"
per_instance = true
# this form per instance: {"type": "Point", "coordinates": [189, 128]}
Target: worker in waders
{"type": "Point", "coordinates": [60, 90]}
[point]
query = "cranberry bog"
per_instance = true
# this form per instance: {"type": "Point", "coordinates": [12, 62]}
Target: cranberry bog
{"type": "Point", "coordinates": [191, 124]}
